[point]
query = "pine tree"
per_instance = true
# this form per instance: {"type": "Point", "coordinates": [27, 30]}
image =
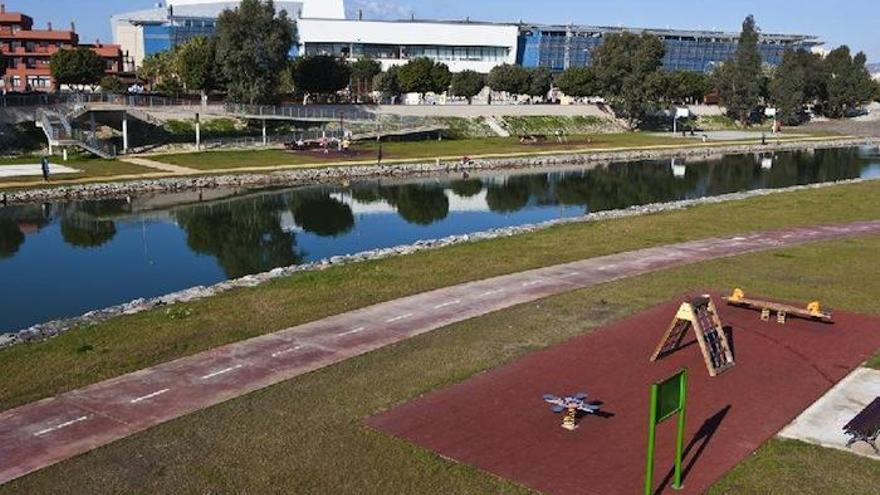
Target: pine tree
{"type": "Point", "coordinates": [739, 80]}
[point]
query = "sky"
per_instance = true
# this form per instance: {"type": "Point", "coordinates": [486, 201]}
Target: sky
{"type": "Point", "coordinates": [850, 22]}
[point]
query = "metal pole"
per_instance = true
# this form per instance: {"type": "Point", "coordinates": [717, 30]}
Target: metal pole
{"type": "Point", "coordinates": [125, 132]}
{"type": "Point", "coordinates": [265, 139]}
{"type": "Point", "coordinates": [198, 134]}
{"type": "Point", "coordinates": [652, 427]}
{"type": "Point", "coordinates": [679, 441]}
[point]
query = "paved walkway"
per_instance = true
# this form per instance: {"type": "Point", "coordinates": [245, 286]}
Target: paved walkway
{"type": "Point", "coordinates": [34, 170]}
{"type": "Point", "coordinates": [37, 435]}
{"type": "Point", "coordinates": [164, 167]}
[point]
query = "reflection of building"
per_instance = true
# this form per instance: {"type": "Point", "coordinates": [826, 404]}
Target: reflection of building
{"type": "Point", "coordinates": [28, 51]}
{"type": "Point", "coordinates": [145, 32]}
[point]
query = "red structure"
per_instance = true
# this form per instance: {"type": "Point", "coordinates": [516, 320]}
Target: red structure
{"type": "Point", "coordinates": [27, 52]}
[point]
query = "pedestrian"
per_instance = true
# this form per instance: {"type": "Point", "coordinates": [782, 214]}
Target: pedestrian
{"type": "Point", "coordinates": [379, 154]}
{"type": "Point", "coordinates": [763, 138]}
{"type": "Point", "coordinates": [44, 166]}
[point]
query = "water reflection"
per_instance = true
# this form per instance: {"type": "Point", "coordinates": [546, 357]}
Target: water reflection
{"type": "Point", "coordinates": [152, 245]}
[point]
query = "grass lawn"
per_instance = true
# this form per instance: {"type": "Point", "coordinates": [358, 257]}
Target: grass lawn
{"type": "Point", "coordinates": [91, 168]}
{"type": "Point", "coordinates": [306, 435]}
{"type": "Point", "coordinates": [133, 342]}
{"type": "Point", "coordinates": [410, 150]}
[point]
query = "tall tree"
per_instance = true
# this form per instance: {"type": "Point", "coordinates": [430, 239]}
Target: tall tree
{"type": "Point", "coordinates": [195, 65]}
{"type": "Point", "coordinates": [685, 86]}
{"type": "Point", "coordinates": [363, 71]}
{"type": "Point", "coordinates": [540, 82]}
{"type": "Point", "coordinates": [320, 74]}
{"type": "Point", "coordinates": [627, 67]}
{"type": "Point", "coordinates": [848, 83]}
{"type": "Point", "coordinates": [77, 67]}
{"type": "Point", "coordinates": [423, 75]}
{"type": "Point", "coordinates": [578, 82]}
{"type": "Point", "coordinates": [511, 79]}
{"type": "Point", "coordinates": [387, 83]}
{"type": "Point", "coordinates": [253, 43]}
{"type": "Point", "coordinates": [788, 89]}
{"type": "Point", "coordinates": [739, 80]}
{"type": "Point", "coordinates": [467, 84]}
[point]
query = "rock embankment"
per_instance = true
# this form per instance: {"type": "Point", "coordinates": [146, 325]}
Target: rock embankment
{"type": "Point", "coordinates": [341, 174]}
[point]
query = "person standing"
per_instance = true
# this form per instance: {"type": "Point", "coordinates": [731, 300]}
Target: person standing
{"type": "Point", "coordinates": [44, 166]}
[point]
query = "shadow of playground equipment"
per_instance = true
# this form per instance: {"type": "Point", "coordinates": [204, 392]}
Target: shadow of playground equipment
{"type": "Point", "coordinates": [702, 437]}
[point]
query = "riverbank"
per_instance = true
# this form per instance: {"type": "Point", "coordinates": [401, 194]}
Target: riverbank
{"type": "Point", "coordinates": [336, 173]}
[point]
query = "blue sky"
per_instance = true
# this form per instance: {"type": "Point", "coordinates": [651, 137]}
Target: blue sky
{"type": "Point", "coordinates": [851, 22]}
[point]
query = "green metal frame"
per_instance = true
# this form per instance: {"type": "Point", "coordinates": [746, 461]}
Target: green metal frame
{"type": "Point", "coordinates": [654, 419]}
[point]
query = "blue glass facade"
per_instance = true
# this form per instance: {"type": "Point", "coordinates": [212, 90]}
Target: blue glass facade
{"type": "Point", "coordinates": [561, 47]}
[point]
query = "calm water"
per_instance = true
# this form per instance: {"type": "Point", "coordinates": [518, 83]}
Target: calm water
{"type": "Point", "coordinates": [63, 259]}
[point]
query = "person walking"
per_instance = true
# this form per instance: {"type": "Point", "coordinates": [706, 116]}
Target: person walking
{"type": "Point", "coordinates": [44, 166]}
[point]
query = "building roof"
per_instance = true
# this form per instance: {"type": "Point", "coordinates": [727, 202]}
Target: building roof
{"type": "Point", "coordinates": [669, 32]}
{"type": "Point", "coordinates": [42, 34]}
{"type": "Point", "coordinates": [198, 9]}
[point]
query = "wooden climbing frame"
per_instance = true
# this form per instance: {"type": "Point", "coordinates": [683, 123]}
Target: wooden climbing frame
{"type": "Point", "coordinates": [701, 315]}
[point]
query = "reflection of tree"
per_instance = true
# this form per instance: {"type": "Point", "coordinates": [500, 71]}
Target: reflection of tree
{"type": "Point", "coordinates": [322, 215]}
{"type": "Point", "coordinates": [467, 188]}
{"type": "Point", "coordinates": [514, 194]}
{"type": "Point", "coordinates": [86, 225]}
{"type": "Point", "coordinates": [11, 238]}
{"type": "Point", "coordinates": [245, 236]}
{"type": "Point", "coordinates": [420, 204]}
{"type": "Point", "coordinates": [366, 193]}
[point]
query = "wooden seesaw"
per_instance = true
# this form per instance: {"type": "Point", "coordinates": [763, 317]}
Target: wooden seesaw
{"type": "Point", "coordinates": [813, 310]}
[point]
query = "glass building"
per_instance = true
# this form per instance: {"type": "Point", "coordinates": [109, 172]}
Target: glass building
{"type": "Point", "coordinates": [561, 47]}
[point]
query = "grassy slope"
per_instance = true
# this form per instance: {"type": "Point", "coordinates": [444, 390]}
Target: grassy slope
{"type": "Point", "coordinates": [403, 150]}
{"type": "Point", "coordinates": [306, 436]}
{"type": "Point", "coordinates": [132, 342]}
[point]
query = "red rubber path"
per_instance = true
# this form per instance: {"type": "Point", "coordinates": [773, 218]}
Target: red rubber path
{"type": "Point", "coordinates": [498, 422]}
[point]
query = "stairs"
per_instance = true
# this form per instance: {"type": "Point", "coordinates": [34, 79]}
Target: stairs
{"type": "Point", "coordinates": [496, 127]}
{"type": "Point", "coordinates": [59, 132]}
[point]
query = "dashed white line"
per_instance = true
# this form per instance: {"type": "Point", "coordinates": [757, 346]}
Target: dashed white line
{"type": "Point", "coordinates": [491, 292]}
{"type": "Point", "coordinates": [398, 318]}
{"type": "Point", "coordinates": [221, 372]}
{"type": "Point", "coordinates": [572, 274]}
{"type": "Point", "coordinates": [62, 425]}
{"type": "Point", "coordinates": [447, 304]}
{"type": "Point", "coordinates": [287, 351]}
{"type": "Point", "coordinates": [352, 331]}
{"type": "Point", "coordinates": [533, 282]}
{"type": "Point", "coordinates": [149, 396]}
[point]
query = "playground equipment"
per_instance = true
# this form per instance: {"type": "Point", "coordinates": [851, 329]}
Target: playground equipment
{"type": "Point", "coordinates": [571, 404]}
{"type": "Point", "coordinates": [865, 427]}
{"type": "Point", "coordinates": [701, 315]}
{"type": "Point", "coordinates": [813, 310]}
{"type": "Point", "coordinates": [668, 399]}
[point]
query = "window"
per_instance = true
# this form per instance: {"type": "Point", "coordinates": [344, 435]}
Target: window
{"type": "Point", "coordinates": [16, 81]}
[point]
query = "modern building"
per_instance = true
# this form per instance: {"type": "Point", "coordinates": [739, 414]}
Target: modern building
{"type": "Point", "coordinates": [460, 45]}
{"type": "Point", "coordinates": [27, 52]}
{"type": "Point", "coordinates": [146, 32]}
{"type": "Point", "coordinates": [561, 47]}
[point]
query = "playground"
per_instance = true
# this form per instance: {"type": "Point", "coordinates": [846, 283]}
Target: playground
{"type": "Point", "coordinates": [499, 422]}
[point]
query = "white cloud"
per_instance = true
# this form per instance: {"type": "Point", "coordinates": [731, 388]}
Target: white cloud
{"type": "Point", "coordinates": [377, 9]}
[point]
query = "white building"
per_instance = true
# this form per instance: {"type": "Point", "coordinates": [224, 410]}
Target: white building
{"type": "Point", "coordinates": [459, 45]}
{"type": "Point", "coordinates": [145, 32]}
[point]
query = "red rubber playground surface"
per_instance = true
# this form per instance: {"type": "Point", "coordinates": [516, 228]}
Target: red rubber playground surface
{"type": "Point", "coordinates": [498, 422]}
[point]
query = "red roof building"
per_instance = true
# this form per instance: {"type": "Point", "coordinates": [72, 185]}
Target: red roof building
{"type": "Point", "coordinates": [27, 52]}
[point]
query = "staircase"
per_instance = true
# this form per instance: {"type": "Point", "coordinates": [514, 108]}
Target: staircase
{"type": "Point", "coordinates": [59, 132]}
{"type": "Point", "coordinates": [496, 127]}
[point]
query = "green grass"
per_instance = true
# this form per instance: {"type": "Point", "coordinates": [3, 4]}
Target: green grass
{"type": "Point", "coordinates": [133, 342]}
{"type": "Point", "coordinates": [91, 168]}
{"type": "Point", "coordinates": [409, 150]}
{"type": "Point", "coordinates": [306, 435]}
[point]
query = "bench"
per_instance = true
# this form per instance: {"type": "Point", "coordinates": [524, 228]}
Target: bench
{"type": "Point", "coordinates": [865, 426]}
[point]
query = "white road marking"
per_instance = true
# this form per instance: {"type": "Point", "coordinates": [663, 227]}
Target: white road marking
{"type": "Point", "coordinates": [533, 282]}
{"type": "Point", "coordinates": [398, 318]}
{"type": "Point", "coordinates": [353, 331]}
{"type": "Point", "coordinates": [491, 292]}
{"type": "Point", "coordinates": [287, 351]}
{"type": "Point", "coordinates": [149, 396]}
{"type": "Point", "coordinates": [572, 274]}
{"type": "Point", "coordinates": [447, 304]}
{"type": "Point", "coordinates": [62, 425]}
{"type": "Point", "coordinates": [221, 372]}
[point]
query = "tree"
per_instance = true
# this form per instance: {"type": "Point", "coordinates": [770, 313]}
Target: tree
{"type": "Point", "coordinates": [156, 68]}
{"type": "Point", "coordinates": [423, 75]}
{"type": "Point", "coordinates": [788, 89]}
{"type": "Point", "coordinates": [387, 83]}
{"type": "Point", "coordinates": [627, 67]}
{"type": "Point", "coordinates": [512, 79]}
{"type": "Point", "coordinates": [578, 82]}
{"type": "Point", "coordinates": [685, 86]}
{"type": "Point", "coordinates": [363, 72]}
{"type": "Point", "coordinates": [848, 82]}
{"type": "Point", "coordinates": [540, 82]}
{"type": "Point", "coordinates": [194, 64]}
{"type": "Point", "coordinates": [253, 44]}
{"type": "Point", "coordinates": [77, 67]}
{"type": "Point", "coordinates": [739, 80]}
{"type": "Point", "coordinates": [320, 74]}
{"type": "Point", "coordinates": [467, 84]}
{"type": "Point", "coordinates": [112, 84]}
